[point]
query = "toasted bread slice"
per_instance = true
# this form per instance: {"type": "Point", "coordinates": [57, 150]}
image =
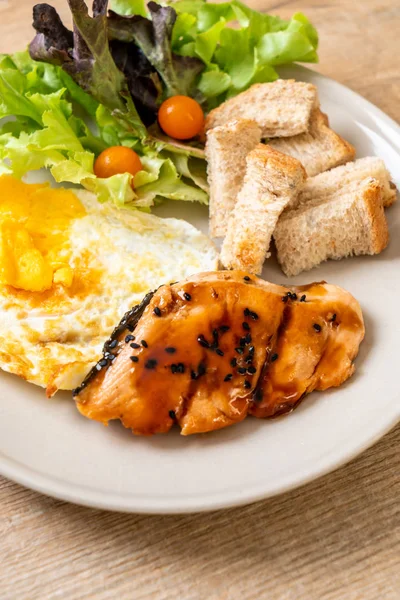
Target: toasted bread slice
{"type": "Point", "coordinates": [282, 108]}
{"type": "Point", "coordinates": [340, 178]}
{"type": "Point", "coordinates": [344, 225]}
{"type": "Point", "coordinates": [272, 179]}
{"type": "Point", "coordinates": [226, 150]}
{"type": "Point", "coordinates": [319, 149]}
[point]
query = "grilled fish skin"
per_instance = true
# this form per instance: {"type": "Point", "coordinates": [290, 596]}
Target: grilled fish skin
{"type": "Point", "coordinates": [207, 351]}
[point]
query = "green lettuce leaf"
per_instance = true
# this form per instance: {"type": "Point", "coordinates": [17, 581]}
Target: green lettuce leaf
{"type": "Point", "coordinates": [184, 31]}
{"type": "Point", "coordinates": [161, 142]}
{"type": "Point", "coordinates": [214, 82]}
{"type": "Point", "coordinates": [237, 57]}
{"type": "Point", "coordinates": [169, 185]}
{"type": "Point", "coordinates": [129, 7]}
{"type": "Point", "coordinates": [296, 43]}
{"type": "Point", "coordinates": [207, 42]}
{"type": "Point", "coordinates": [13, 101]}
{"type": "Point", "coordinates": [44, 77]}
{"type": "Point", "coordinates": [192, 168]}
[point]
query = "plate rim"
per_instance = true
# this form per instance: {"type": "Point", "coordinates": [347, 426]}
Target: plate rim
{"type": "Point", "coordinates": [85, 496]}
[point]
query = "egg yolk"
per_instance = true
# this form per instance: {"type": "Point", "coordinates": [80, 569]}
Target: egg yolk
{"type": "Point", "coordinates": [34, 234]}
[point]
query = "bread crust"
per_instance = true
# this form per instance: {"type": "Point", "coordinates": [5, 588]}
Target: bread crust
{"type": "Point", "coordinates": [340, 180]}
{"type": "Point", "coordinates": [272, 179]}
{"type": "Point", "coordinates": [319, 149]}
{"type": "Point", "coordinates": [282, 108]}
{"type": "Point", "coordinates": [379, 228]}
{"type": "Point", "coordinates": [226, 149]}
{"type": "Point", "coordinates": [309, 235]}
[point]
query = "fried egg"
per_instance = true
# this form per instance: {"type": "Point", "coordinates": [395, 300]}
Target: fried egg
{"type": "Point", "coordinates": [70, 267]}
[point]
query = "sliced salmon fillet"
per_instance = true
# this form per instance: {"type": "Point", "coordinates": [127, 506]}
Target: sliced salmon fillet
{"type": "Point", "coordinates": [315, 346]}
{"type": "Point", "coordinates": [207, 351]}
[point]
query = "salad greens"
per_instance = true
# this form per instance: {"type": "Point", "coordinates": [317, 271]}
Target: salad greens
{"type": "Point", "coordinates": [236, 58]}
{"type": "Point", "coordinates": [78, 92]}
{"type": "Point", "coordinates": [46, 131]}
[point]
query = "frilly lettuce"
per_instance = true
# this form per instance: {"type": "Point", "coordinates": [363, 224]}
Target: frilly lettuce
{"type": "Point", "coordinates": [184, 47]}
{"type": "Point", "coordinates": [235, 58]}
{"type": "Point", "coordinates": [45, 132]}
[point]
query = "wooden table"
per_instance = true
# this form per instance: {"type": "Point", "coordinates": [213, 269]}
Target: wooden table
{"type": "Point", "coordinates": [335, 539]}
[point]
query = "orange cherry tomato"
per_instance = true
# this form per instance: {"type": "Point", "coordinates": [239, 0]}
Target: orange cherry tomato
{"type": "Point", "coordinates": [116, 160]}
{"type": "Point", "coordinates": [181, 117]}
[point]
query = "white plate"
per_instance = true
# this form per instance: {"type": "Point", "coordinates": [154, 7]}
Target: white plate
{"type": "Point", "coordinates": [46, 445]}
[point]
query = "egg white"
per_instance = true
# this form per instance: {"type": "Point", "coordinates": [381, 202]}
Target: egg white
{"type": "Point", "coordinates": [54, 343]}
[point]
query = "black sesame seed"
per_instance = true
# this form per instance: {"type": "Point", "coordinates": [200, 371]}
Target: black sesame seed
{"type": "Point", "coordinates": [172, 414]}
{"type": "Point", "coordinates": [130, 327]}
{"type": "Point", "coordinates": [219, 352]}
{"type": "Point", "coordinates": [134, 358]}
{"type": "Point", "coordinates": [274, 357]}
{"type": "Point", "coordinates": [242, 370]}
{"type": "Point", "coordinates": [233, 362]}
{"type": "Point", "coordinates": [202, 341]}
{"type": "Point", "coordinates": [103, 362]}
{"type": "Point", "coordinates": [242, 341]}
{"type": "Point", "coordinates": [129, 338]}
{"type": "Point", "coordinates": [173, 368]}
{"type": "Point", "coordinates": [249, 359]}
{"type": "Point", "coordinates": [113, 344]}
{"type": "Point", "coordinates": [193, 375]}
{"type": "Point", "coordinates": [294, 296]}
{"type": "Point", "coordinates": [180, 368]}
{"type": "Point", "coordinates": [251, 350]}
{"type": "Point", "coordinates": [224, 328]}
{"type": "Point", "coordinates": [187, 296]}
{"type": "Point", "coordinates": [247, 384]}
{"type": "Point", "coordinates": [215, 338]}
{"type": "Point", "coordinates": [258, 396]}
{"type": "Point", "coordinates": [247, 312]}
{"type": "Point", "coordinates": [135, 345]}
{"type": "Point", "coordinates": [157, 311]}
{"type": "Point", "coordinates": [239, 350]}
{"type": "Point", "coordinates": [248, 338]}
{"type": "Point", "coordinates": [285, 299]}
{"type": "Point", "coordinates": [144, 344]}
{"type": "Point", "coordinates": [254, 316]}
{"type": "Point", "coordinates": [317, 327]}
{"type": "Point", "coordinates": [252, 370]}
{"type": "Point", "coordinates": [333, 319]}
{"type": "Point", "coordinates": [201, 369]}
{"type": "Point", "coordinates": [246, 326]}
{"type": "Point", "coordinates": [150, 364]}
{"type": "Point", "coordinates": [228, 377]}
{"type": "Point", "coordinates": [246, 278]}
{"type": "Point", "coordinates": [303, 298]}
{"type": "Point", "coordinates": [170, 350]}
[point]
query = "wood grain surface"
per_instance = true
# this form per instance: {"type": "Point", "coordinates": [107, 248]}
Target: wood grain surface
{"type": "Point", "coordinates": [335, 539]}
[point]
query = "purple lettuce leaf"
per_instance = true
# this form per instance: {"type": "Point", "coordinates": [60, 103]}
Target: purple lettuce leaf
{"type": "Point", "coordinates": [153, 37]}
